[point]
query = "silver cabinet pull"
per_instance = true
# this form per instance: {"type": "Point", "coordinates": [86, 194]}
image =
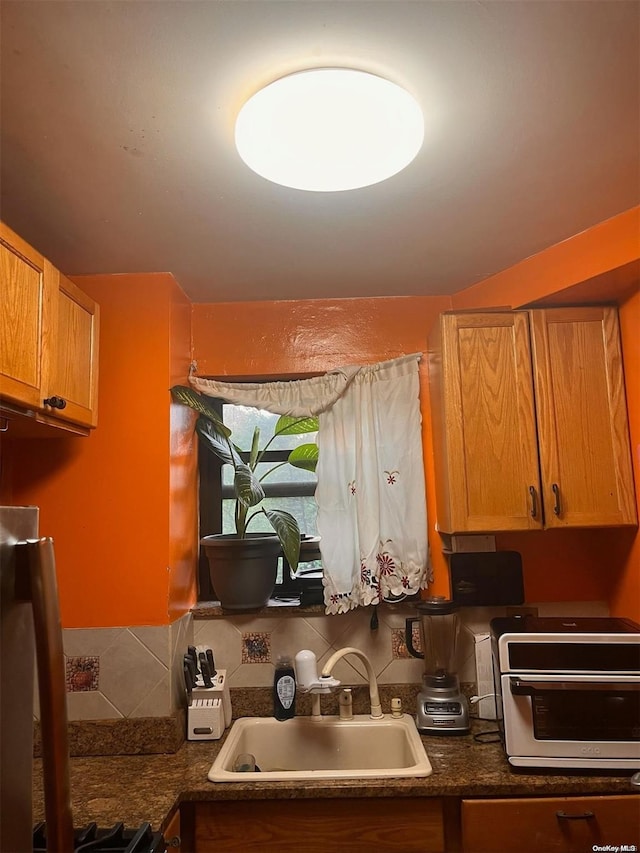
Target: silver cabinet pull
{"type": "Point", "coordinates": [556, 491]}
{"type": "Point", "coordinates": [534, 502]}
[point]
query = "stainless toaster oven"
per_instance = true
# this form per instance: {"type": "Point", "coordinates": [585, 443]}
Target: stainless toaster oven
{"type": "Point", "coordinates": [568, 691]}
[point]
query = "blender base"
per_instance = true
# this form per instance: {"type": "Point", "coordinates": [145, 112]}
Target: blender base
{"type": "Point", "coordinates": [442, 715]}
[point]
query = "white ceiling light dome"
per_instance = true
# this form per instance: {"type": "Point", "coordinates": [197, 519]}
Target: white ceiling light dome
{"type": "Point", "coordinates": [329, 129]}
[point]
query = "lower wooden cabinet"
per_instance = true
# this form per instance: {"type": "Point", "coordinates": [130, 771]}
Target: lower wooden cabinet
{"type": "Point", "coordinates": [412, 825]}
{"type": "Point", "coordinates": [563, 824]}
{"type": "Point", "coordinates": [172, 834]}
{"type": "Point", "coordinates": [396, 825]}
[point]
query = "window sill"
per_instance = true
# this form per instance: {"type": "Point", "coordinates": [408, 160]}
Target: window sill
{"type": "Point", "coordinates": [213, 609]}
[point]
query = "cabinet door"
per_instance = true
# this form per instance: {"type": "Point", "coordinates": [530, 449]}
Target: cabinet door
{"type": "Point", "coordinates": [484, 422]}
{"type": "Point", "coordinates": [583, 430]}
{"type": "Point", "coordinates": [395, 825]}
{"type": "Point", "coordinates": [28, 285]}
{"type": "Point", "coordinates": [563, 824]}
{"type": "Point", "coordinates": [73, 374]}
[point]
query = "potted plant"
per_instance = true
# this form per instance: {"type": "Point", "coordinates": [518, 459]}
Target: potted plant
{"type": "Point", "coordinates": [243, 565]}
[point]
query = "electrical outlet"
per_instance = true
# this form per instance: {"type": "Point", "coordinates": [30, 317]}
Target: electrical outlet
{"type": "Point", "coordinates": [522, 611]}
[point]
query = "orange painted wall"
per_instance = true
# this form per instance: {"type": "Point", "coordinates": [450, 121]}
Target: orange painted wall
{"type": "Point", "coordinates": [607, 246]}
{"type": "Point", "coordinates": [591, 564]}
{"type": "Point", "coordinates": [121, 503]}
{"type": "Point", "coordinates": [302, 337]}
{"type": "Point", "coordinates": [109, 499]}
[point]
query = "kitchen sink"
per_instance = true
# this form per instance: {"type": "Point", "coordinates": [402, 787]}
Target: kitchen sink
{"type": "Point", "coordinates": [323, 748]}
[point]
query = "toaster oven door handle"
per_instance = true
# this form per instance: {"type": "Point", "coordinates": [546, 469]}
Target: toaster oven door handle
{"type": "Point", "coordinates": [524, 687]}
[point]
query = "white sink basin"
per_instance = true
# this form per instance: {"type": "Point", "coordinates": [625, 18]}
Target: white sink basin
{"type": "Point", "coordinates": [326, 748]}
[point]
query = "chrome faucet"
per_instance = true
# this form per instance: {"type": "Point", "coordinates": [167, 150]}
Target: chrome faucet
{"type": "Point", "coordinates": [308, 681]}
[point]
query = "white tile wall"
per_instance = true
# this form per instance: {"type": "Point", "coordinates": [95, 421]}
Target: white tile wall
{"type": "Point", "coordinates": [140, 668]}
{"type": "Point", "coordinates": [325, 634]}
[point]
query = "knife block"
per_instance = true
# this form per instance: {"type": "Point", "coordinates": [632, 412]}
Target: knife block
{"type": "Point", "coordinates": [209, 711]}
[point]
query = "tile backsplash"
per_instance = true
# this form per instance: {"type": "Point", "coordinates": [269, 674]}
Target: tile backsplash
{"type": "Point", "coordinates": [114, 673]}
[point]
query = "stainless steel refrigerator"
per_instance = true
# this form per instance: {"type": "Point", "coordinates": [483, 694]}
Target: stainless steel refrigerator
{"type": "Point", "coordinates": [30, 637]}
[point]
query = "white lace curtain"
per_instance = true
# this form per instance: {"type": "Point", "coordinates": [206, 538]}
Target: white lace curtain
{"type": "Point", "coordinates": [372, 512]}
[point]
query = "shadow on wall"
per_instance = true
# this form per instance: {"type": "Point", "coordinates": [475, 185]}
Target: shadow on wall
{"type": "Point", "coordinates": [39, 459]}
{"type": "Point", "coordinates": [572, 565]}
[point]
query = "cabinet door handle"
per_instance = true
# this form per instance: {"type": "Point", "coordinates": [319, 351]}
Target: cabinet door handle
{"type": "Point", "coordinates": [55, 402]}
{"type": "Point", "coordinates": [556, 491]}
{"type": "Point", "coordinates": [582, 816]}
{"type": "Point", "coordinates": [534, 502]}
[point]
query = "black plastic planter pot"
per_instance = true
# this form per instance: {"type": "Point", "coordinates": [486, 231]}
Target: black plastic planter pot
{"type": "Point", "coordinates": [243, 571]}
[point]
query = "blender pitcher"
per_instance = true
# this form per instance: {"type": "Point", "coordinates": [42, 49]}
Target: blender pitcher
{"type": "Point", "coordinates": [442, 708]}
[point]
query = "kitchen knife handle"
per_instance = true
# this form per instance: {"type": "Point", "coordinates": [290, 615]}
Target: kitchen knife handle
{"type": "Point", "coordinates": [534, 502]}
{"type": "Point", "coordinates": [193, 654]}
{"type": "Point", "coordinates": [193, 670]}
{"type": "Point", "coordinates": [556, 491]}
{"type": "Point", "coordinates": [188, 682]}
{"type": "Point", "coordinates": [204, 669]}
{"type": "Point", "coordinates": [211, 662]}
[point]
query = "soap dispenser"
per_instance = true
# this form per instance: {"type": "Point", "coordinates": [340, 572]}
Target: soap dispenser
{"type": "Point", "coordinates": [284, 689]}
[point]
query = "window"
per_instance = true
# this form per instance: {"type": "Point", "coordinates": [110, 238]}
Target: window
{"type": "Point", "coordinates": [288, 488]}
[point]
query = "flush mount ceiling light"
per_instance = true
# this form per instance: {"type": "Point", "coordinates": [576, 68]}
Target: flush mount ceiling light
{"type": "Point", "coordinates": [329, 129]}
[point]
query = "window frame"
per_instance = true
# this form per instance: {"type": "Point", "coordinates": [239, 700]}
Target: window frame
{"type": "Point", "coordinates": [211, 494]}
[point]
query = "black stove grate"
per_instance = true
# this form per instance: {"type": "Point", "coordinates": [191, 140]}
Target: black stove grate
{"type": "Point", "coordinates": [116, 839]}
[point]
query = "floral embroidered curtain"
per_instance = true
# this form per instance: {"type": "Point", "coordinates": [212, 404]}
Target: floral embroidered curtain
{"type": "Point", "coordinates": [372, 513]}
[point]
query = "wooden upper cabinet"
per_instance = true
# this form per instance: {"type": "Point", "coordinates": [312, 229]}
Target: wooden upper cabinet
{"type": "Point", "coordinates": [583, 432]}
{"type": "Point", "coordinates": [48, 344]}
{"type": "Point", "coordinates": [530, 421]}
{"type": "Point", "coordinates": [74, 364]}
{"type": "Point", "coordinates": [484, 423]}
{"type": "Point", "coordinates": [28, 287]}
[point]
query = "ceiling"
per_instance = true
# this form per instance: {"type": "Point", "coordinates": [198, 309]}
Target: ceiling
{"type": "Point", "coordinates": [117, 149]}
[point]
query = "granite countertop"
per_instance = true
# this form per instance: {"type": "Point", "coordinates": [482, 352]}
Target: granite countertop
{"type": "Point", "coordinates": [136, 788]}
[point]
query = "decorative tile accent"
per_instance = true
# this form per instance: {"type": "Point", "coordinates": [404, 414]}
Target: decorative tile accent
{"type": "Point", "coordinates": [399, 650]}
{"type": "Point", "coordinates": [256, 647]}
{"type": "Point", "coordinates": [82, 674]}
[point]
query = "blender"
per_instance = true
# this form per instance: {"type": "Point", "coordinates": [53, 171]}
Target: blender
{"type": "Point", "coordinates": [442, 708]}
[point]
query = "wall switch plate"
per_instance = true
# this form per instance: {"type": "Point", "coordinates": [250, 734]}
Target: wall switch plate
{"type": "Point", "coordinates": [484, 676]}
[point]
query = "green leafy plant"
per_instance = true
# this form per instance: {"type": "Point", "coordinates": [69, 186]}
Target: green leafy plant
{"type": "Point", "coordinates": [247, 486]}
